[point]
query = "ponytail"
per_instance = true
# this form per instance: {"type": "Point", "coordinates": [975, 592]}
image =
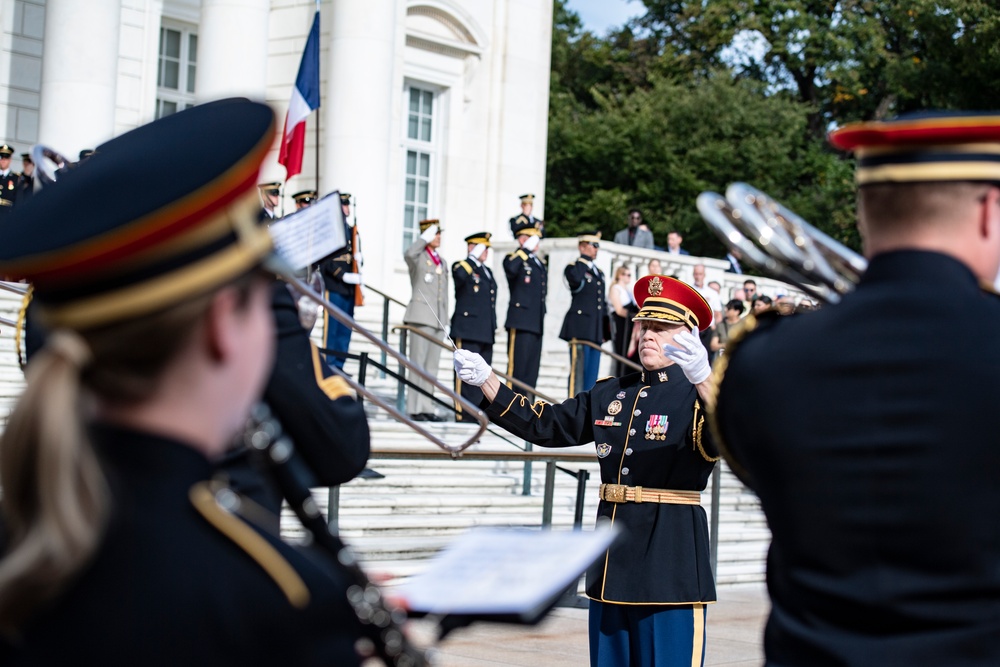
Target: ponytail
{"type": "Point", "coordinates": [54, 497]}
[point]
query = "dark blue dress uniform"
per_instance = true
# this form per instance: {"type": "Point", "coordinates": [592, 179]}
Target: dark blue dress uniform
{"type": "Point", "coordinates": [527, 278]}
{"type": "Point", "coordinates": [180, 580]}
{"type": "Point", "coordinates": [339, 293]}
{"type": "Point", "coordinates": [316, 409]}
{"type": "Point", "coordinates": [474, 323]}
{"type": "Point", "coordinates": [523, 220]}
{"type": "Point", "coordinates": [878, 477]}
{"type": "Point", "coordinates": [656, 456]}
{"type": "Point", "coordinates": [586, 319]}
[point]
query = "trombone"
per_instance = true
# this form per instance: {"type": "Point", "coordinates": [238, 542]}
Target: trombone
{"type": "Point", "coordinates": [778, 242]}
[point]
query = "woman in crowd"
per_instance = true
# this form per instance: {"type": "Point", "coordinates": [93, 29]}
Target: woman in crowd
{"type": "Point", "coordinates": [733, 314]}
{"type": "Point", "coordinates": [624, 308]}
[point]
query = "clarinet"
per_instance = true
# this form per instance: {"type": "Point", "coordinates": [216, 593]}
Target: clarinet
{"type": "Point", "coordinates": [380, 624]}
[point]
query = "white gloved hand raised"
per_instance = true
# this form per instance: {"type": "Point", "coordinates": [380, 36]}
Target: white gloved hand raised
{"type": "Point", "coordinates": [477, 251]}
{"type": "Point", "coordinates": [428, 234]}
{"type": "Point", "coordinates": [689, 353]}
{"type": "Point", "coordinates": [471, 368]}
{"type": "Point", "coordinates": [352, 278]}
{"type": "Point", "coordinates": [531, 243]}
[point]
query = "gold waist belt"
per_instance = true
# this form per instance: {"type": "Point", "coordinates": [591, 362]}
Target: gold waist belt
{"type": "Point", "coordinates": [619, 493]}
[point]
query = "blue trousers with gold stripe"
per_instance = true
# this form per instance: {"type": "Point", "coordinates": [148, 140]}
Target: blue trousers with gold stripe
{"type": "Point", "coordinates": [623, 635]}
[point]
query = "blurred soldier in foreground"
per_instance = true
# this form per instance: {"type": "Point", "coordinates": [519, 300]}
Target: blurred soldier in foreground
{"type": "Point", "coordinates": [474, 323]}
{"type": "Point", "coordinates": [879, 477]}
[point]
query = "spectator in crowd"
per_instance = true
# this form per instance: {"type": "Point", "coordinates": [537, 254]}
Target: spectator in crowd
{"type": "Point", "coordinates": [633, 235]}
{"type": "Point", "coordinates": [427, 311]}
{"type": "Point", "coordinates": [750, 287]}
{"type": "Point", "coordinates": [623, 310]}
{"type": "Point", "coordinates": [760, 303]}
{"type": "Point", "coordinates": [785, 304]}
{"type": "Point", "coordinates": [654, 268]}
{"type": "Point", "coordinates": [714, 284]}
{"type": "Point", "coordinates": [733, 314]}
{"type": "Point", "coordinates": [674, 240]}
{"type": "Point", "coordinates": [733, 257]}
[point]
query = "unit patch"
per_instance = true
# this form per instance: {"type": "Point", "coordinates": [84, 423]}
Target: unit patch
{"type": "Point", "coordinates": [603, 450]}
{"type": "Point", "coordinates": [621, 394]}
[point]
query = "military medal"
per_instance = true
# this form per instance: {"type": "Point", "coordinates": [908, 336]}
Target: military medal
{"type": "Point", "coordinates": [607, 421]}
{"type": "Point", "coordinates": [603, 450]}
{"type": "Point", "coordinates": [656, 427]}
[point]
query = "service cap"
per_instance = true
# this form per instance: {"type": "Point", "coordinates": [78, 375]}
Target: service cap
{"type": "Point", "coordinates": [480, 237]}
{"type": "Point", "coordinates": [425, 224]}
{"type": "Point", "coordinates": [665, 299]}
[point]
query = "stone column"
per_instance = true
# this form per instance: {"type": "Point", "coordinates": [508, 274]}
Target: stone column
{"type": "Point", "coordinates": [357, 118]}
{"type": "Point", "coordinates": [232, 49]}
{"type": "Point", "coordinates": [79, 74]}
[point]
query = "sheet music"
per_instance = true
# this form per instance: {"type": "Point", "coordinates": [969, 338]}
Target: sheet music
{"type": "Point", "coordinates": [504, 571]}
{"type": "Point", "coordinates": [307, 236]}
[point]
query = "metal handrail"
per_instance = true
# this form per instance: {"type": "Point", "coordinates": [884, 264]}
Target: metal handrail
{"type": "Point", "coordinates": [409, 328]}
{"type": "Point", "coordinates": [614, 355]}
{"type": "Point", "coordinates": [386, 300]}
{"type": "Point", "coordinates": [384, 295]}
{"type": "Point", "coordinates": [16, 288]}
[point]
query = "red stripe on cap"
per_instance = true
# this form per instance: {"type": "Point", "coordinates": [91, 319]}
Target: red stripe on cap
{"type": "Point", "coordinates": [946, 130]}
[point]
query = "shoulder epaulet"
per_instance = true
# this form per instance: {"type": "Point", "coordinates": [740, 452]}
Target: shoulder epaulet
{"type": "Point", "coordinates": [605, 379]}
{"type": "Point", "coordinates": [246, 538]}
{"type": "Point", "coordinates": [520, 254]}
{"type": "Point", "coordinates": [751, 323]}
{"type": "Point", "coordinates": [465, 265]}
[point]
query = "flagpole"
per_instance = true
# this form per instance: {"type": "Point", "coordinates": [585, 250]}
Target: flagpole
{"type": "Point", "coordinates": [320, 79]}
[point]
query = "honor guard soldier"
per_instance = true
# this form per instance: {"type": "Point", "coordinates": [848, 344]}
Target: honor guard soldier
{"type": "Point", "coordinates": [649, 594]}
{"type": "Point", "coordinates": [525, 217]}
{"type": "Point", "coordinates": [341, 273]}
{"type": "Point", "coordinates": [427, 311]}
{"type": "Point", "coordinates": [270, 197]}
{"type": "Point", "coordinates": [10, 181]}
{"type": "Point", "coordinates": [121, 549]}
{"type": "Point", "coordinates": [304, 199]}
{"type": "Point", "coordinates": [527, 278]}
{"type": "Point", "coordinates": [879, 478]}
{"type": "Point", "coordinates": [587, 317]}
{"type": "Point", "coordinates": [27, 185]}
{"type": "Point", "coordinates": [474, 323]}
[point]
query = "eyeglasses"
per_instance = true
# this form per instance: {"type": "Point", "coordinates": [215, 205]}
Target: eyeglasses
{"type": "Point", "coordinates": [596, 245]}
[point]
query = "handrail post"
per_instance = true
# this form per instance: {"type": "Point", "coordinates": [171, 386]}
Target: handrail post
{"type": "Point", "coordinates": [385, 329]}
{"type": "Point", "coordinates": [713, 545]}
{"type": "Point", "coordinates": [333, 509]}
{"type": "Point", "coordinates": [526, 484]}
{"type": "Point", "coordinates": [550, 490]}
{"type": "Point", "coordinates": [401, 386]}
{"type": "Point", "coordinates": [581, 491]}
{"type": "Point", "coordinates": [362, 373]}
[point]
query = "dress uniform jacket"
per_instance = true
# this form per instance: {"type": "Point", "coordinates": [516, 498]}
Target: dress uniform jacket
{"type": "Point", "coordinates": [475, 315]}
{"type": "Point", "coordinates": [663, 555]}
{"type": "Point", "coordinates": [587, 316]}
{"type": "Point", "coordinates": [10, 186]}
{"type": "Point", "coordinates": [878, 477]}
{"type": "Point", "coordinates": [527, 278]}
{"type": "Point", "coordinates": [178, 580]}
{"type": "Point", "coordinates": [430, 280]}
{"type": "Point", "coordinates": [334, 267]}
{"type": "Point", "coordinates": [316, 409]}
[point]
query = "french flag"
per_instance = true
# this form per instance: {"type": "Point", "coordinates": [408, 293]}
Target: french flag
{"type": "Point", "coordinates": [305, 100]}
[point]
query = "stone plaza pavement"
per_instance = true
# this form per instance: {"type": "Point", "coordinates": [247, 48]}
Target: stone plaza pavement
{"type": "Point", "coordinates": [735, 631]}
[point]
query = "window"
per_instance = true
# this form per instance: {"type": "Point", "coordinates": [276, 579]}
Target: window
{"type": "Point", "coordinates": [176, 67]}
{"type": "Point", "coordinates": [421, 150]}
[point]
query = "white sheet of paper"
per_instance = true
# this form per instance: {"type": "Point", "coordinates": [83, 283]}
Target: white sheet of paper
{"type": "Point", "coordinates": [307, 236]}
{"type": "Point", "coordinates": [504, 571]}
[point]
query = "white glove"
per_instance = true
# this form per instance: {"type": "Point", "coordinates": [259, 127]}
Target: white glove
{"type": "Point", "coordinates": [359, 258]}
{"type": "Point", "coordinates": [429, 233]}
{"type": "Point", "coordinates": [471, 368]}
{"type": "Point", "coordinates": [690, 355]}
{"type": "Point", "coordinates": [531, 243]}
{"type": "Point", "coordinates": [352, 278]}
{"type": "Point", "coordinates": [477, 251]}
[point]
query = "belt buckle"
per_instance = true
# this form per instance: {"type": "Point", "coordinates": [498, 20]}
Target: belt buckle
{"type": "Point", "coordinates": [614, 493]}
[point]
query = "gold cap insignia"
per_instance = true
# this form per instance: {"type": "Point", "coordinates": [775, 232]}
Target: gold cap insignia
{"type": "Point", "coordinates": [655, 286]}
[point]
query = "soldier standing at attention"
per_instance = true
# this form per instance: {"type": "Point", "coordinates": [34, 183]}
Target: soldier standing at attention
{"type": "Point", "coordinates": [879, 479]}
{"type": "Point", "coordinates": [270, 197]}
{"type": "Point", "coordinates": [649, 593]}
{"type": "Point", "coordinates": [427, 311]}
{"type": "Point", "coordinates": [527, 278]}
{"type": "Point", "coordinates": [27, 185]}
{"type": "Point", "coordinates": [10, 181]}
{"type": "Point", "coordinates": [525, 217]}
{"type": "Point", "coordinates": [304, 199]}
{"type": "Point", "coordinates": [474, 323]}
{"type": "Point", "coordinates": [587, 317]}
{"type": "Point", "coordinates": [341, 282]}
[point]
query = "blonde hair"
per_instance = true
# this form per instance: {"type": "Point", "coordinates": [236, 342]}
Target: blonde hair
{"type": "Point", "coordinates": [55, 502]}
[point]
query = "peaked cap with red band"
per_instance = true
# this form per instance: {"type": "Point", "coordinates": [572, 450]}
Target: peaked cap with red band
{"type": "Point", "coordinates": [924, 147]}
{"type": "Point", "coordinates": [182, 232]}
{"type": "Point", "coordinates": [664, 299]}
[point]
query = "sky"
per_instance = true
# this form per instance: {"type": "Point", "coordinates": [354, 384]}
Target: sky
{"type": "Point", "coordinates": [599, 15]}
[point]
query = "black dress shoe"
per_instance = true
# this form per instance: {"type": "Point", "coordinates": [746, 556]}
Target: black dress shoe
{"type": "Point", "coordinates": [368, 473]}
{"type": "Point", "coordinates": [419, 417]}
{"type": "Point", "coordinates": [434, 418]}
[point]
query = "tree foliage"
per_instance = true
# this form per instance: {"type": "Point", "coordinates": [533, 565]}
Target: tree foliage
{"type": "Point", "coordinates": [696, 94]}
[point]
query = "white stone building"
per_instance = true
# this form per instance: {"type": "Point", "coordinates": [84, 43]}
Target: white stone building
{"type": "Point", "coordinates": [430, 108]}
